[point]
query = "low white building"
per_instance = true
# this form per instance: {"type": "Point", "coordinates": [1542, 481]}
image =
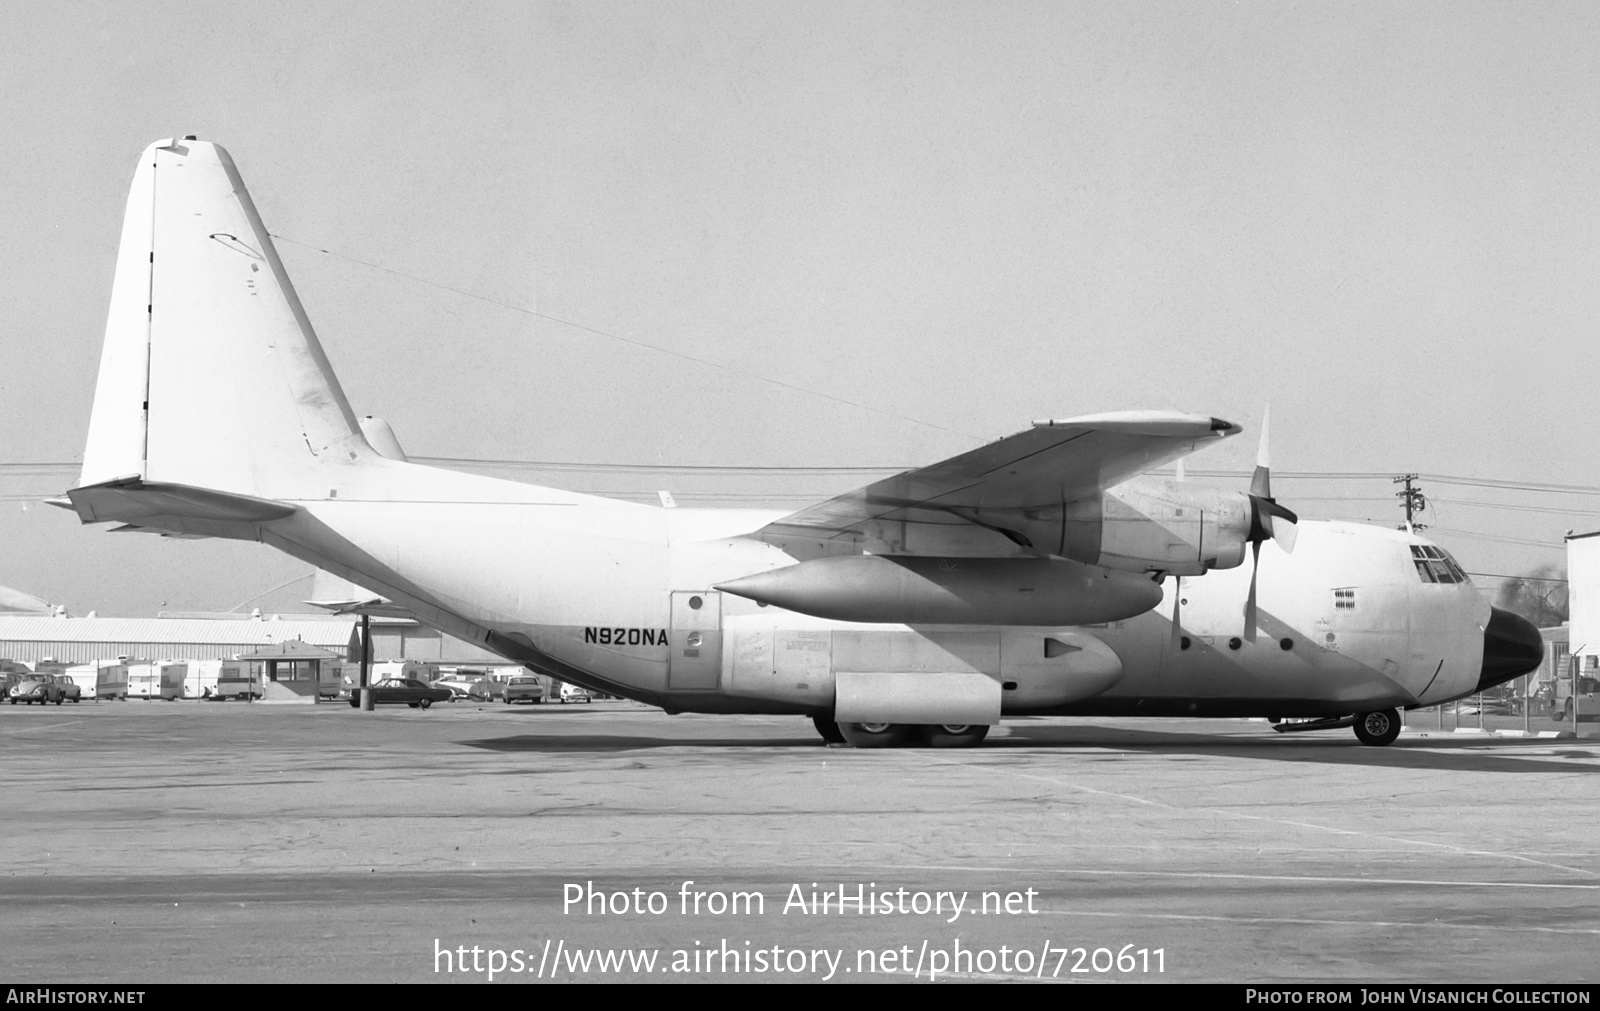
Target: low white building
{"type": "Point", "coordinates": [1583, 598]}
{"type": "Point", "coordinates": [82, 640]}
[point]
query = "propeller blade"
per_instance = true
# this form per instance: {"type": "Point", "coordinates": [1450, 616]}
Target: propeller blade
{"type": "Point", "coordinates": [1267, 519]}
{"type": "Point", "coordinates": [1177, 612]}
{"type": "Point", "coordinates": [1284, 531]}
{"type": "Point", "coordinates": [1261, 480]}
{"type": "Point", "coordinates": [1250, 601]}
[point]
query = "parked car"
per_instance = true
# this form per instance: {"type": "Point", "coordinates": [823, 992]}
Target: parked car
{"type": "Point", "coordinates": [462, 689]}
{"type": "Point", "coordinates": [573, 693]}
{"type": "Point", "coordinates": [407, 691]}
{"type": "Point", "coordinates": [70, 691]}
{"type": "Point", "coordinates": [524, 689]}
{"type": "Point", "coordinates": [40, 688]}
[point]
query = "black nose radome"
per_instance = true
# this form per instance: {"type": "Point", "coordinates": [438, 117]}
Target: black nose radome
{"type": "Point", "coordinates": [1511, 647]}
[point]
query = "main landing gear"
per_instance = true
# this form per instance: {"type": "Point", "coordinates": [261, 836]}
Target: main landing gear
{"type": "Point", "coordinates": [894, 735]}
{"type": "Point", "coordinates": [1379, 728]}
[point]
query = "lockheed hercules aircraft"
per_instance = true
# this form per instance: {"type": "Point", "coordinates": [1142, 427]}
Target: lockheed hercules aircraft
{"type": "Point", "coordinates": [1040, 574]}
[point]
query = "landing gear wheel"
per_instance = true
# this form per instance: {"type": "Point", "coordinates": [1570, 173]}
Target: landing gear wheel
{"type": "Point", "coordinates": [952, 735]}
{"type": "Point", "coordinates": [875, 735]}
{"type": "Point", "coordinates": [828, 729]}
{"type": "Point", "coordinates": [1379, 728]}
{"type": "Point", "coordinates": [424, 703]}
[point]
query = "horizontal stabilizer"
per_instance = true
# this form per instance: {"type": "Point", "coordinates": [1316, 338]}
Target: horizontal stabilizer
{"type": "Point", "coordinates": [175, 508]}
{"type": "Point", "coordinates": [376, 607]}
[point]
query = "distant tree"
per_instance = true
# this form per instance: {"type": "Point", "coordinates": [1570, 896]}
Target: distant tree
{"type": "Point", "coordinates": [1540, 596]}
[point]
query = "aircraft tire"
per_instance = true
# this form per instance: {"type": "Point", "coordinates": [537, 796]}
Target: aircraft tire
{"type": "Point", "coordinates": [875, 735]}
{"type": "Point", "coordinates": [828, 729]}
{"type": "Point", "coordinates": [1378, 728]}
{"type": "Point", "coordinates": [945, 735]}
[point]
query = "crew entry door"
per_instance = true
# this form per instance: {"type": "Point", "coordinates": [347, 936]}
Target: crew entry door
{"type": "Point", "coordinates": [696, 640]}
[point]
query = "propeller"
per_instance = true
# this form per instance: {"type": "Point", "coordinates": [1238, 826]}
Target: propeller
{"type": "Point", "coordinates": [1267, 519]}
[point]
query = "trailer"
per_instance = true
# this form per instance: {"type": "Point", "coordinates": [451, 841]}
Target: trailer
{"type": "Point", "coordinates": [87, 677]}
{"type": "Point", "coordinates": [111, 679]}
{"type": "Point", "coordinates": [203, 675]}
{"type": "Point", "coordinates": [170, 677]}
{"type": "Point", "coordinates": [340, 678]}
{"type": "Point", "coordinates": [235, 680]}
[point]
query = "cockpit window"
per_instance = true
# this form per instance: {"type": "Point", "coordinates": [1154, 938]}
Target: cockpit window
{"type": "Point", "coordinates": [1435, 565]}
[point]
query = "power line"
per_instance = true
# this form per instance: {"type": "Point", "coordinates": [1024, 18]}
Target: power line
{"type": "Point", "coordinates": [629, 340]}
{"type": "Point", "coordinates": [1518, 508]}
{"type": "Point", "coordinates": [1526, 579]}
{"type": "Point", "coordinates": [1503, 540]}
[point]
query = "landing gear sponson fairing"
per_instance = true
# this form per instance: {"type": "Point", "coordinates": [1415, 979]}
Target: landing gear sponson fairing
{"type": "Point", "coordinates": [1040, 574]}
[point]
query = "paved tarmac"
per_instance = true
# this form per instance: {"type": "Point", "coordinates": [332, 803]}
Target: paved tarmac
{"type": "Point", "coordinates": [157, 842]}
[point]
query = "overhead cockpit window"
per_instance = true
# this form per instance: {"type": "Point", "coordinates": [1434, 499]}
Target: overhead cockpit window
{"type": "Point", "coordinates": [1435, 565]}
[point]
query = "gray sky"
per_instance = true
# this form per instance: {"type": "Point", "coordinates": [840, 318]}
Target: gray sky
{"type": "Point", "coordinates": [945, 220]}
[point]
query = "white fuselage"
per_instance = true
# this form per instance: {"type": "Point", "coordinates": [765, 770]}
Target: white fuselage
{"type": "Point", "coordinates": [619, 597]}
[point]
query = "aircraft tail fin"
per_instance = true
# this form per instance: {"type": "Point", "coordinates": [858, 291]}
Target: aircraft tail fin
{"type": "Point", "coordinates": [211, 375]}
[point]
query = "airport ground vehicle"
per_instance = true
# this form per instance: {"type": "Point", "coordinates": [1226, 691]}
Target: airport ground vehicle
{"type": "Point", "coordinates": [404, 691]}
{"type": "Point", "coordinates": [40, 688]}
{"type": "Point", "coordinates": [524, 688]}
{"type": "Point", "coordinates": [573, 693]}
{"type": "Point", "coordinates": [1586, 701]}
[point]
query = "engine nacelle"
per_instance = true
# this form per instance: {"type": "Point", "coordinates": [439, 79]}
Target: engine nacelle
{"type": "Point", "coordinates": [1143, 525]}
{"type": "Point", "coordinates": [1150, 525]}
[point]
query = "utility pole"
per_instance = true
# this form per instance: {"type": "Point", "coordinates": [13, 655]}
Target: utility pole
{"type": "Point", "coordinates": [1413, 500]}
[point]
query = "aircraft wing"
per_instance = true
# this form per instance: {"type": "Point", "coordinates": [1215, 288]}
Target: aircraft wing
{"type": "Point", "coordinates": [1052, 463]}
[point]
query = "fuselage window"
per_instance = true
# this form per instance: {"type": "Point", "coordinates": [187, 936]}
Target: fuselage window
{"type": "Point", "coordinates": [1434, 565]}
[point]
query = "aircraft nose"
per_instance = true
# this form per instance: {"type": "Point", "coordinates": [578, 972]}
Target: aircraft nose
{"type": "Point", "coordinates": [1511, 647]}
